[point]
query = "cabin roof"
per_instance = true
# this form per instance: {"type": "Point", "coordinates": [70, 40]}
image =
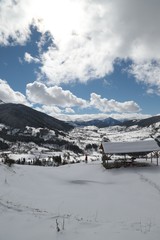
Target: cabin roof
{"type": "Point", "coordinates": [130, 147]}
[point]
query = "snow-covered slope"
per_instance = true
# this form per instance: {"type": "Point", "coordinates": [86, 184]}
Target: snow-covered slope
{"type": "Point", "coordinates": [19, 116]}
{"type": "Point", "coordinates": [87, 202]}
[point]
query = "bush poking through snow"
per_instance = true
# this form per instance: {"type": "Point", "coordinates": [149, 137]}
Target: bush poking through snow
{"type": "Point", "coordinates": [62, 225]}
{"type": "Point", "coordinates": [57, 226]}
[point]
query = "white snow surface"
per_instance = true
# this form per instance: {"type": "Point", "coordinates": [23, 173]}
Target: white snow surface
{"type": "Point", "coordinates": [130, 147]}
{"type": "Point", "coordinates": [87, 201]}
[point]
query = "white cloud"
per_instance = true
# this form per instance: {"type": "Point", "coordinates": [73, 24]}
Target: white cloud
{"type": "Point", "coordinates": [50, 97]}
{"type": "Point", "coordinates": [147, 72]}
{"type": "Point", "coordinates": [55, 100]}
{"type": "Point", "coordinates": [105, 105]}
{"type": "Point", "coordinates": [60, 113]}
{"type": "Point", "coordinates": [83, 61]}
{"type": "Point", "coordinates": [106, 30]}
{"type": "Point", "coordinates": [8, 95]}
{"type": "Point", "coordinates": [39, 93]}
{"type": "Point", "coordinates": [28, 58]}
{"type": "Point", "coordinates": [15, 22]}
{"type": "Point", "coordinates": [65, 114]}
{"type": "Point", "coordinates": [88, 117]}
{"type": "Point", "coordinates": [69, 110]}
{"type": "Point", "coordinates": [152, 91]}
{"type": "Point", "coordinates": [89, 35]}
{"type": "Point", "coordinates": [55, 96]}
{"type": "Point", "coordinates": [50, 110]}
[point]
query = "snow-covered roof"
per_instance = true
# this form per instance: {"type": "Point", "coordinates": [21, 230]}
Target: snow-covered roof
{"type": "Point", "coordinates": [130, 147]}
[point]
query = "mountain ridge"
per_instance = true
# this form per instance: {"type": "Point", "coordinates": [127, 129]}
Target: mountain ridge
{"type": "Point", "coordinates": [142, 122]}
{"type": "Point", "coordinates": [19, 116]}
{"type": "Point", "coordinates": [98, 122]}
{"type": "Point", "coordinates": [107, 122]}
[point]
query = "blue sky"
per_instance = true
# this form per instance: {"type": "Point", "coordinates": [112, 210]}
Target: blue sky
{"type": "Point", "coordinates": [81, 59]}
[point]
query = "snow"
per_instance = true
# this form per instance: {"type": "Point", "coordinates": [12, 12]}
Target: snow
{"type": "Point", "coordinates": [87, 201]}
{"type": "Point", "coordinates": [130, 147]}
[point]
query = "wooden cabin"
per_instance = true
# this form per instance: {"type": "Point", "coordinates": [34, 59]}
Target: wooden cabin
{"type": "Point", "coordinates": [132, 149]}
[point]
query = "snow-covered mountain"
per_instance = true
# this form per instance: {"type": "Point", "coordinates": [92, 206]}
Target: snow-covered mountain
{"type": "Point", "coordinates": [22, 124]}
{"type": "Point", "coordinates": [107, 122]}
{"type": "Point", "coordinates": [99, 122]}
{"type": "Point", "coordinates": [19, 116]}
{"type": "Point", "coordinates": [142, 122]}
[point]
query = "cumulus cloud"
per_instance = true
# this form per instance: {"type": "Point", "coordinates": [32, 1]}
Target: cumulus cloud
{"type": "Point", "coordinates": [84, 61]}
{"type": "Point", "coordinates": [65, 115]}
{"type": "Point", "coordinates": [147, 72]}
{"type": "Point", "coordinates": [15, 22]}
{"type": "Point", "coordinates": [54, 111]}
{"type": "Point", "coordinates": [69, 110]}
{"type": "Point", "coordinates": [105, 31]}
{"type": "Point", "coordinates": [50, 110]}
{"type": "Point", "coordinates": [39, 93]}
{"type": "Point", "coordinates": [105, 105]}
{"type": "Point", "coordinates": [65, 100]}
{"type": "Point", "coordinates": [8, 95]}
{"type": "Point", "coordinates": [88, 35]}
{"type": "Point", "coordinates": [28, 58]}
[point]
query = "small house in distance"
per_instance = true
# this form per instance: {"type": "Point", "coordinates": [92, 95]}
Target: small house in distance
{"type": "Point", "coordinates": [129, 151]}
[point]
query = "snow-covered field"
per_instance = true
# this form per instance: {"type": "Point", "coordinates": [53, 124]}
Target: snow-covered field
{"type": "Point", "coordinates": [87, 201]}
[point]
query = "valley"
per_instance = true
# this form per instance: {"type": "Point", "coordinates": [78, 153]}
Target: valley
{"type": "Point", "coordinates": [48, 190]}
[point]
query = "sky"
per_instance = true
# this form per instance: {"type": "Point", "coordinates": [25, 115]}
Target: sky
{"type": "Point", "coordinates": [81, 59]}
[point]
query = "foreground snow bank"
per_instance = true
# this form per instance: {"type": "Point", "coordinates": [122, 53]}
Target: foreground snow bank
{"type": "Point", "coordinates": [84, 201]}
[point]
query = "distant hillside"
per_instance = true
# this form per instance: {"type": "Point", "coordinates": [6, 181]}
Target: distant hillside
{"type": "Point", "coordinates": [113, 122]}
{"type": "Point", "coordinates": [19, 116]}
{"type": "Point", "coordinates": [142, 122]}
{"type": "Point", "coordinates": [99, 123]}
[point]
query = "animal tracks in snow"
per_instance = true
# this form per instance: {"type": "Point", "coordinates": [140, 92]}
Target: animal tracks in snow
{"type": "Point", "coordinates": [149, 182]}
{"type": "Point", "coordinates": [9, 205]}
